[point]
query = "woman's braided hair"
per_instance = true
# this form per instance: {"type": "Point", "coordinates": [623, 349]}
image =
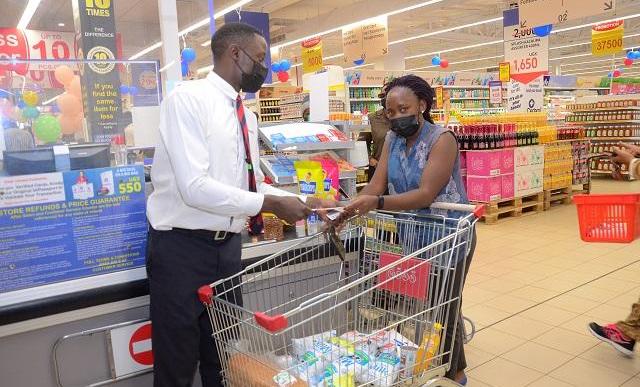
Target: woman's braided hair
{"type": "Point", "coordinates": [420, 88]}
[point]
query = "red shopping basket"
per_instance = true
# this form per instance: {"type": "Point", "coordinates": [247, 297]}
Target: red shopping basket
{"type": "Point", "coordinates": [608, 217]}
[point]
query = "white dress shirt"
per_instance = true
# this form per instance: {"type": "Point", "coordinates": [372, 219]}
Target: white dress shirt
{"type": "Point", "coordinates": [199, 172]}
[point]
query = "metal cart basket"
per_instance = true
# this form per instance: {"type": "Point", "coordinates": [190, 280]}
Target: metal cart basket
{"type": "Point", "coordinates": [373, 305]}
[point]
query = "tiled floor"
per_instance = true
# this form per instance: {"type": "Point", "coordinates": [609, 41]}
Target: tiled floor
{"type": "Point", "coordinates": [533, 286]}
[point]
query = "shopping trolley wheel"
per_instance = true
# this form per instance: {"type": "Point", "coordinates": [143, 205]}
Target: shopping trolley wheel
{"type": "Point", "coordinates": [467, 334]}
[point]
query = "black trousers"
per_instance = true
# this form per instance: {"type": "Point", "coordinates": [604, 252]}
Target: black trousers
{"type": "Point", "coordinates": [177, 265]}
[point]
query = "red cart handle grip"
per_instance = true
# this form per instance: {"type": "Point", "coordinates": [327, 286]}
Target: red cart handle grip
{"type": "Point", "coordinates": [271, 323]}
{"type": "Point", "coordinates": [205, 294]}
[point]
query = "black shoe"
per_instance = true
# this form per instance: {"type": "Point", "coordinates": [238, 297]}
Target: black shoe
{"type": "Point", "coordinates": [612, 335]}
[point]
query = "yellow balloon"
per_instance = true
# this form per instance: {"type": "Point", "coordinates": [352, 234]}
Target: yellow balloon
{"type": "Point", "coordinates": [30, 98]}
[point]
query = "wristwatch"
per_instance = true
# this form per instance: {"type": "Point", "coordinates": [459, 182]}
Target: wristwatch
{"type": "Point", "coordinates": [380, 202]}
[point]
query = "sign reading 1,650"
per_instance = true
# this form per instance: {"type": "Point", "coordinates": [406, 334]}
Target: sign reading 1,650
{"type": "Point", "coordinates": [130, 185]}
{"type": "Point", "coordinates": [521, 65]}
{"type": "Point", "coordinates": [98, 7]}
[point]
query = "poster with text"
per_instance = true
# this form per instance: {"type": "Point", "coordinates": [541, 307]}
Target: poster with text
{"type": "Point", "coordinates": [144, 76]}
{"type": "Point", "coordinates": [526, 53]}
{"type": "Point", "coordinates": [528, 97]}
{"type": "Point", "coordinates": [67, 225]}
{"type": "Point", "coordinates": [365, 41]}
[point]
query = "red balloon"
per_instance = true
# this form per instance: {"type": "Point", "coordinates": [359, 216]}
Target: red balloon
{"type": "Point", "coordinates": [616, 73]}
{"type": "Point", "coordinates": [444, 63]}
{"type": "Point", "coordinates": [283, 76]}
{"type": "Point", "coordinates": [628, 62]}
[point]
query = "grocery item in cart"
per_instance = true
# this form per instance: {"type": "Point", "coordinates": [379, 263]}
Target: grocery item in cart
{"type": "Point", "coordinates": [340, 373]}
{"type": "Point", "coordinates": [383, 371]}
{"type": "Point", "coordinates": [428, 348]}
{"type": "Point", "coordinates": [245, 371]}
{"type": "Point", "coordinates": [310, 364]}
{"type": "Point", "coordinates": [408, 356]}
{"type": "Point", "coordinates": [302, 345]}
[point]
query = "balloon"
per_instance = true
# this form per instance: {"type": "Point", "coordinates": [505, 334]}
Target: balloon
{"type": "Point", "coordinates": [616, 73]}
{"type": "Point", "coordinates": [55, 108]}
{"type": "Point", "coordinates": [285, 65]}
{"type": "Point", "coordinates": [124, 89]}
{"type": "Point", "coordinates": [4, 93]}
{"type": "Point", "coordinates": [47, 128]}
{"type": "Point", "coordinates": [70, 124]}
{"type": "Point", "coordinates": [359, 62]}
{"type": "Point", "coordinates": [75, 88]}
{"type": "Point", "coordinates": [436, 61]}
{"type": "Point", "coordinates": [610, 74]}
{"type": "Point", "coordinates": [444, 63]}
{"type": "Point", "coordinates": [628, 62]}
{"type": "Point", "coordinates": [6, 107]}
{"type": "Point", "coordinates": [185, 68]}
{"type": "Point", "coordinates": [30, 98]}
{"type": "Point", "coordinates": [543, 30]}
{"type": "Point", "coordinates": [69, 104]}
{"type": "Point", "coordinates": [188, 54]}
{"type": "Point", "coordinates": [63, 74]}
{"type": "Point", "coordinates": [635, 55]}
{"type": "Point", "coordinates": [283, 76]}
{"type": "Point", "coordinates": [133, 90]}
{"type": "Point", "coordinates": [30, 112]}
{"type": "Point", "coordinates": [22, 104]}
{"type": "Point", "coordinates": [275, 67]}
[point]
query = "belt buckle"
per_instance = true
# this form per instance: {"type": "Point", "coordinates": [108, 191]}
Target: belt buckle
{"type": "Point", "coordinates": [219, 236]}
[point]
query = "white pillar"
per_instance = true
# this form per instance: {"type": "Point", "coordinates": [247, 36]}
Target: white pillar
{"type": "Point", "coordinates": [394, 60]}
{"type": "Point", "coordinates": [168, 14]}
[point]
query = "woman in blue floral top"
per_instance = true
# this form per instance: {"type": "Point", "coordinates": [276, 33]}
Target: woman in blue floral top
{"type": "Point", "coordinates": [419, 165]}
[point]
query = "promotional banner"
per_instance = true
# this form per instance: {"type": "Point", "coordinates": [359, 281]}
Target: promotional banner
{"type": "Point", "coordinates": [542, 12]}
{"type": "Point", "coordinates": [96, 31]}
{"type": "Point", "coordinates": [560, 81]}
{"type": "Point", "coordinates": [260, 21]}
{"type": "Point", "coordinates": [311, 55]}
{"type": "Point", "coordinates": [525, 97]}
{"type": "Point", "coordinates": [495, 92]}
{"type": "Point", "coordinates": [144, 76]}
{"type": "Point", "coordinates": [380, 77]}
{"type": "Point", "coordinates": [67, 225]}
{"type": "Point", "coordinates": [366, 41]}
{"type": "Point", "coordinates": [526, 53]}
{"type": "Point", "coordinates": [606, 39]}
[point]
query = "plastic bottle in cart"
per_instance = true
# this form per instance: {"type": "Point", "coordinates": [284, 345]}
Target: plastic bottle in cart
{"type": "Point", "coordinates": [119, 148]}
{"type": "Point", "coordinates": [428, 348]}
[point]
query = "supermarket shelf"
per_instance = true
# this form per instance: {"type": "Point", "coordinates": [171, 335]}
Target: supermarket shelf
{"type": "Point", "coordinates": [364, 99]}
{"type": "Point", "coordinates": [365, 87]}
{"type": "Point", "coordinates": [604, 122]}
{"type": "Point", "coordinates": [463, 87]}
{"type": "Point", "coordinates": [575, 88]}
{"type": "Point", "coordinates": [471, 109]}
{"type": "Point", "coordinates": [613, 138]}
{"type": "Point", "coordinates": [352, 127]}
{"type": "Point", "coordinates": [603, 172]}
{"type": "Point", "coordinates": [269, 99]}
{"type": "Point", "coordinates": [469, 98]}
{"type": "Point", "coordinates": [611, 109]}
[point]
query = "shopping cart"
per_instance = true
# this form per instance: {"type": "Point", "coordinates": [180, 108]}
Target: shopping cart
{"type": "Point", "coordinates": [374, 309]}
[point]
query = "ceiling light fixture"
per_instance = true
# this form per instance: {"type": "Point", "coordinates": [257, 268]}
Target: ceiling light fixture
{"type": "Point", "coordinates": [592, 68]}
{"type": "Point", "coordinates": [60, 24]}
{"type": "Point", "coordinates": [586, 62]}
{"type": "Point", "coordinates": [164, 68]}
{"type": "Point", "coordinates": [588, 72]}
{"type": "Point", "coordinates": [205, 69]}
{"type": "Point", "coordinates": [455, 49]}
{"type": "Point", "coordinates": [447, 30]}
{"type": "Point", "coordinates": [27, 14]}
{"type": "Point", "coordinates": [193, 27]}
{"type": "Point", "coordinates": [595, 23]}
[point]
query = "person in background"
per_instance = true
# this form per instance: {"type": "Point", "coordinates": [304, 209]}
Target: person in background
{"type": "Point", "coordinates": [419, 165]}
{"type": "Point", "coordinates": [207, 182]}
{"type": "Point", "coordinates": [623, 334]}
{"type": "Point", "coordinates": [16, 139]}
{"type": "Point", "coordinates": [379, 129]}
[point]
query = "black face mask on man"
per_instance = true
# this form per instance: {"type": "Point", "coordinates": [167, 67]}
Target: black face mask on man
{"type": "Point", "coordinates": [252, 82]}
{"type": "Point", "coordinates": [405, 126]}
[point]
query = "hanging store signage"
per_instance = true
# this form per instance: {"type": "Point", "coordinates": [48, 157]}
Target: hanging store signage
{"type": "Point", "coordinates": [311, 55]}
{"type": "Point", "coordinates": [606, 38]}
{"type": "Point", "coordinates": [145, 77]}
{"type": "Point", "coordinates": [542, 12]}
{"type": "Point", "coordinates": [525, 97]}
{"type": "Point", "coordinates": [365, 41]}
{"type": "Point", "coordinates": [96, 31]}
{"type": "Point", "coordinates": [505, 71]}
{"type": "Point", "coordinates": [495, 92]}
{"type": "Point", "coordinates": [526, 53]}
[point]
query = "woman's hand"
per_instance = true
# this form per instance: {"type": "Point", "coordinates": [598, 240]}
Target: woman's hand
{"type": "Point", "coordinates": [622, 156]}
{"type": "Point", "coordinates": [633, 149]}
{"type": "Point", "coordinates": [362, 205]}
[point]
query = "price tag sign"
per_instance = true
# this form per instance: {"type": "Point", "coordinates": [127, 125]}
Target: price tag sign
{"type": "Point", "coordinates": [505, 72]}
{"type": "Point", "coordinates": [526, 53]}
{"type": "Point", "coordinates": [311, 55]}
{"type": "Point", "coordinates": [439, 97]}
{"type": "Point", "coordinates": [606, 39]}
{"type": "Point", "coordinates": [495, 92]}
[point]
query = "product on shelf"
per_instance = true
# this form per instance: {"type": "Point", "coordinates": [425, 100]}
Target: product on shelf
{"type": "Point", "coordinates": [621, 103]}
{"type": "Point", "coordinates": [580, 154]}
{"type": "Point", "coordinates": [604, 115]}
{"type": "Point", "coordinates": [613, 130]}
{"type": "Point", "coordinates": [487, 136]}
{"type": "Point", "coordinates": [558, 165]}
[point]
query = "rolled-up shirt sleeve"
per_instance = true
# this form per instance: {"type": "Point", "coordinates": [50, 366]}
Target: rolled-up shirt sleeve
{"type": "Point", "coordinates": [185, 139]}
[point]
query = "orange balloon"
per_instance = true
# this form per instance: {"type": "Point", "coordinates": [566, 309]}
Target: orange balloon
{"type": "Point", "coordinates": [69, 105]}
{"type": "Point", "coordinates": [63, 74]}
{"type": "Point", "coordinates": [75, 88]}
{"type": "Point", "coordinates": [70, 124]}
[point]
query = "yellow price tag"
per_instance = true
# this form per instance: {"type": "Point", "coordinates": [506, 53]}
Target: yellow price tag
{"type": "Point", "coordinates": [311, 55]}
{"type": "Point", "coordinates": [505, 71]}
{"type": "Point", "coordinates": [439, 97]}
{"type": "Point", "coordinates": [606, 39]}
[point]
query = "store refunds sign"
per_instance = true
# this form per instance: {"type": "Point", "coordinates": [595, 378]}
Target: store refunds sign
{"type": "Point", "coordinates": [96, 31]}
{"type": "Point", "coordinates": [528, 97]}
{"type": "Point", "coordinates": [311, 55]}
{"type": "Point", "coordinates": [67, 225]}
{"type": "Point", "coordinates": [542, 12]}
{"type": "Point", "coordinates": [606, 38]}
{"type": "Point", "coordinates": [365, 41]}
{"type": "Point", "coordinates": [526, 53]}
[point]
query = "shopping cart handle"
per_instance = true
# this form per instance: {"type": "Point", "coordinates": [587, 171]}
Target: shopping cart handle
{"type": "Point", "coordinates": [205, 294]}
{"type": "Point", "coordinates": [477, 210]}
{"type": "Point", "coordinates": [271, 323]}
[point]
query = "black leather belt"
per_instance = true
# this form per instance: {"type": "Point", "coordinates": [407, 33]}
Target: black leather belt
{"type": "Point", "coordinates": [215, 236]}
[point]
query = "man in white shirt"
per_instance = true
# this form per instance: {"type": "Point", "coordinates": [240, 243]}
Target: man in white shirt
{"type": "Point", "coordinates": [206, 185]}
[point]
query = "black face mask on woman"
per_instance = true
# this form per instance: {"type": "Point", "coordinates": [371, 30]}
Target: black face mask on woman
{"type": "Point", "coordinates": [252, 82]}
{"type": "Point", "coordinates": [405, 126]}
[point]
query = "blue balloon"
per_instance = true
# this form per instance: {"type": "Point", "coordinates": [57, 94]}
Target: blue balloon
{"type": "Point", "coordinates": [55, 108]}
{"type": "Point", "coordinates": [276, 67]}
{"type": "Point", "coordinates": [185, 68]}
{"type": "Point", "coordinates": [21, 104]}
{"type": "Point", "coordinates": [188, 54]}
{"type": "Point", "coordinates": [133, 90]}
{"type": "Point", "coordinates": [124, 89]}
{"type": "Point", "coordinates": [543, 30]}
{"type": "Point", "coordinates": [610, 75]}
{"type": "Point", "coordinates": [30, 112]}
{"type": "Point", "coordinates": [285, 65]}
{"type": "Point", "coordinates": [635, 55]}
{"type": "Point", "coordinates": [631, 55]}
{"type": "Point", "coordinates": [436, 61]}
{"type": "Point", "coordinates": [358, 62]}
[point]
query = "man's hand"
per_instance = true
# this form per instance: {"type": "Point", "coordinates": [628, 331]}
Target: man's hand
{"type": "Point", "coordinates": [362, 205]}
{"type": "Point", "coordinates": [288, 208]}
{"type": "Point", "coordinates": [622, 156]}
{"type": "Point", "coordinates": [633, 149]}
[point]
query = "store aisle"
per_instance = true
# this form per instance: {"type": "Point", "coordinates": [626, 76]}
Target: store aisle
{"type": "Point", "coordinates": [533, 287]}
